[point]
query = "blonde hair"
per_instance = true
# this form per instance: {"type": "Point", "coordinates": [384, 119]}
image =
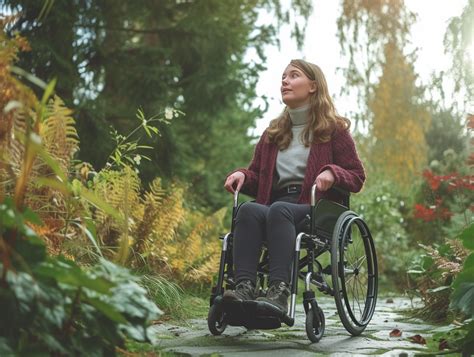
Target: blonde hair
{"type": "Point", "coordinates": [323, 120]}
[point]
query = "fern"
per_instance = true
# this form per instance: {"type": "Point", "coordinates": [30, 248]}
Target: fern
{"type": "Point", "coordinates": [19, 116]}
{"type": "Point", "coordinates": [204, 264]}
{"type": "Point", "coordinates": [171, 215]}
{"type": "Point", "coordinates": [158, 228]}
{"type": "Point", "coordinates": [13, 149]}
{"type": "Point", "coordinates": [59, 133]}
{"type": "Point", "coordinates": [192, 257]}
{"type": "Point", "coordinates": [120, 189]}
{"type": "Point", "coordinates": [152, 208]}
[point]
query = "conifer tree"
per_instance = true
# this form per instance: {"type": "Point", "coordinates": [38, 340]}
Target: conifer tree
{"type": "Point", "coordinates": [400, 121]}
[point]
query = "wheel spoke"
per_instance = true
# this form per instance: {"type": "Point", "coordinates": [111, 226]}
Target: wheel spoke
{"type": "Point", "coordinates": [358, 300]}
{"type": "Point", "coordinates": [353, 296]}
{"type": "Point", "coordinates": [356, 261]}
{"type": "Point", "coordinates": [350, 278]}
{"type": "Point", "coordinates": [361, 261]}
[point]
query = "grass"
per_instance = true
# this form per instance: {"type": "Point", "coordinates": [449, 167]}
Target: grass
{"type": "Point", "coordinates": [196, 306]}
{"type": "Point", "coordinates": [167, 295]}
{"type": "Point", "coordinates": [177, 304]}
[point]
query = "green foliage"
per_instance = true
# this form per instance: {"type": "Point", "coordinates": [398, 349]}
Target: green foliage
{"type": "Point", "coordinates": [112, 58]}
{"type": "Point", "coordinates": [433, 273]}
{"type": "Point", "coordinates": [462, 299]}
{"type": "Point", "coordinates": [446, 134]}
{"type": "Point", "coordinates": [128, 151]}
{"type": "Point", "coordinates": [383, 208]}
{"type": "Point", "coordinates": [50, 305]}
{"type": "Point", "coordinates": [443, 200]}
{"type": "Point", "coordinates": [453, 340]}
{"type": "Point", "coordinates": [466, 237]}
{"type": "Point", "coordinates": [446, 273]}
{"type": "Point", "coordinates": [463, 290]}
{"type": "Point", "coordinates": [165, 293]}
{"type": "Point", "coordinates": [458, 41]}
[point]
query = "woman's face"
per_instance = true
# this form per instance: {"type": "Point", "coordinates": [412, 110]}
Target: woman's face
{"type": "Point", "coordinates": [296, 88]}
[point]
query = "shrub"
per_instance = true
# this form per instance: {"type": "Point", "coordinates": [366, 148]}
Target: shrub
{"type": "Point", "coordinates": [382, 209]}
{"type": "Point", "coordinates": [50, 304]}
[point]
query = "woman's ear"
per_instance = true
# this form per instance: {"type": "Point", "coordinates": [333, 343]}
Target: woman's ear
{"type": "Point", "coordinates": [313, 87]}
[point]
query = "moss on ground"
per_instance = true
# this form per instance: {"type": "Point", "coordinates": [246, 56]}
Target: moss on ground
{"type": "Point", "coordinates": [148, 350]}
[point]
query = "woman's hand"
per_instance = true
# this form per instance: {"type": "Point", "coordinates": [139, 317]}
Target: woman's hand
{"type": "Point", "coordinates": [325, 180]}
{"type": "Point", "coordinates": [237, 177]}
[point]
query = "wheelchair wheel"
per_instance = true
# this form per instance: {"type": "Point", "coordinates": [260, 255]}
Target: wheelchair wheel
{"type": "Point", "coordinates": [354, 272]}
{"type": "Point", "coordinates": [315, 324]}
{"type": "Point", "coordinates": [216, 320]}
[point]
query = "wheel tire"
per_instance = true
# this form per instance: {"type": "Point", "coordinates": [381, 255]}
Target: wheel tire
{"type": "Point", "coordinates": [216, 320]}
{"type": "Point", "coordinates": [315, 324]}
{"type": "Point", "coordinates": [341, 238]}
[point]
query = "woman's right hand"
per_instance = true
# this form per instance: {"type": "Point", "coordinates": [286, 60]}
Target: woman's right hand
{"type": "Point", "coordinates": [237, 177]}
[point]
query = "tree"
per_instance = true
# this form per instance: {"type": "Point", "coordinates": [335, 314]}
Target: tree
{"type": "Point", "coordinates": [400, 121]}
{"type": "Point", "coordinates": [459, 41]}
{"type": "Point", "coordinates": [122, 55]}
{"type": "Point", "coordinates": [364, 29]}
{"type": "Point", "coordinates": [446, 134]}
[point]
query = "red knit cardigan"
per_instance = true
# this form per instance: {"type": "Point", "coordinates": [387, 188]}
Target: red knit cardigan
{"type": "Point", "coordinates": [338, 155]}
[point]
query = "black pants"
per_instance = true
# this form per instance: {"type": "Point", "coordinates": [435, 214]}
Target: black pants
{"type": "Point", "coordinates": [275, 224]}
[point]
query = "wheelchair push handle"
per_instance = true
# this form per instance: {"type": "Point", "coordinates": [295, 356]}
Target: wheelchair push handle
{"type": "Point", "coordinates": [236, 198]}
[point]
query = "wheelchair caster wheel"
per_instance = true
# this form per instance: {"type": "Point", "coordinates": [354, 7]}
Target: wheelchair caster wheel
{"type": "Point", "coordinates": [315, 324]}
{"type": "Point", "coordinates": [216, 320]}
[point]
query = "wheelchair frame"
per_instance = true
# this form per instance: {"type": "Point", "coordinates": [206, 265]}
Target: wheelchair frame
{"type": "Point", "coordinates": [329, 231]}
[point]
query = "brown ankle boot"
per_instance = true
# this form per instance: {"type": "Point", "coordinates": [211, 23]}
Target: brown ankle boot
{"type": "Point", "coordinates": [244, 291]}
{"type": "Point", "coordinates": [277, 295]}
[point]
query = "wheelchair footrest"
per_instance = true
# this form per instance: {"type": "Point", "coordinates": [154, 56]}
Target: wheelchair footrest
{"type": "Point", "coordinates": [255, 315]}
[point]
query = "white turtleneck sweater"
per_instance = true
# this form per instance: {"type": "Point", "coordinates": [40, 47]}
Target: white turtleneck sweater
{"type": "Point", "coordinates": [291, 162]}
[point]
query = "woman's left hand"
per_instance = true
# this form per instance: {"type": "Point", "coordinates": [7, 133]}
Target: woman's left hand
{"type": "Point", "coordinates": [325, 180]}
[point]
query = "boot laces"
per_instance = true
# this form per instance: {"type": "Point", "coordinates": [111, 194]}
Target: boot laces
{"type": "Point", "coordinates": [243, 286]}
{"type": "Point", "coordinates": [276, 290]}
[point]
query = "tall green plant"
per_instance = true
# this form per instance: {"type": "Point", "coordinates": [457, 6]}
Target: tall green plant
{"type": "Point", "coordinates": [461, 339]}
{"type": "Point", "coordinates": [50, 305]}
{"type": "Point", "coordinates": [128, 150]}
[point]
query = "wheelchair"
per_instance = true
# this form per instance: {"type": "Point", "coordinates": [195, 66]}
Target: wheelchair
{"type": "Point", "coordinates": [350, 274]}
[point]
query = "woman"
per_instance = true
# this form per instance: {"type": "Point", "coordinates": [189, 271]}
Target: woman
{"type": "Point", "coordinates": [307, 144]}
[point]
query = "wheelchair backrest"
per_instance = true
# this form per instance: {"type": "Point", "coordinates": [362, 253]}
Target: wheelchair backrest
{"type": "Point", "coordinates": [325, 216]}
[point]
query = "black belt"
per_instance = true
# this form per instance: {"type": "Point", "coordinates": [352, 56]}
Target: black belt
{"type": "Point", "coordinates": [287, 190]}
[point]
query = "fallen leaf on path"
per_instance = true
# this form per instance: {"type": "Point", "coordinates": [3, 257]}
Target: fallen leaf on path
{"type": "Point", "coordinates": [417, 339]}
{"type": "Point", "coordinates": [443, 344]}
{"type": "Point", "coordinates": [395, 333]}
